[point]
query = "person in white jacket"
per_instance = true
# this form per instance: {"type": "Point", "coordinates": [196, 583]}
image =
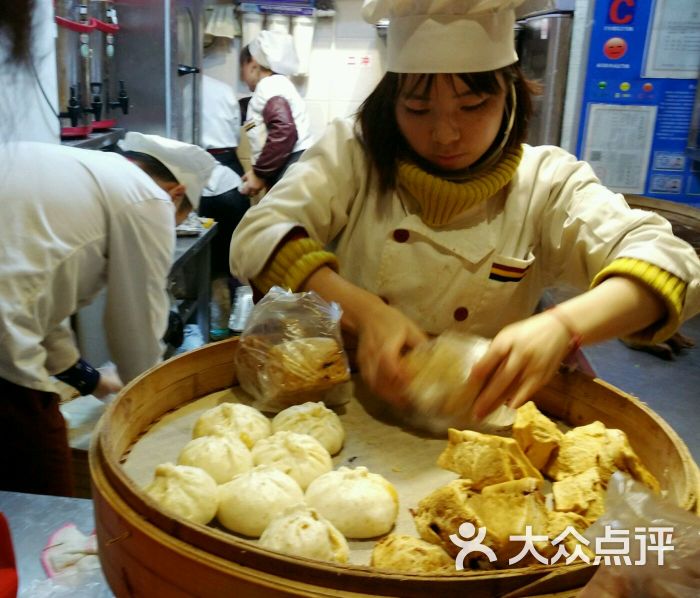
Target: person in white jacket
{"type": "Point", "coordinates": [221, 123]}
{"type": "Point", "coordinates": [428, 213]}
{"type": "Point", "coordinates": [277, 122]}
{"type": "Point", "coordinates": [75, 221]}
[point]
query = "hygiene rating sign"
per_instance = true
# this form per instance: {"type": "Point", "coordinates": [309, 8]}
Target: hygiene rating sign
{"type": "Point", "coordinates": [612, 548]}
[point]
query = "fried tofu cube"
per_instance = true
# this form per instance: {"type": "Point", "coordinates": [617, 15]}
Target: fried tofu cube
{"type": "Point", "coordinates": [536, 434]}
{"type": "Point", "coordinates": [408, 554]}
{"type": "Point", "coordinates": [583, 493]}
{"type": "Point", "coordinates": [485, 459]}
{"type": "Point", "coordinates": [502, 509]}
{"type": "Point", "coordinates": [594, 445]}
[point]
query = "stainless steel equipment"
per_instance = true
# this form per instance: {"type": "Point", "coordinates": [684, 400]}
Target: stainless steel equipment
{"type": "Point", "coordinates": [544, 41]}
{"type": "Point", "coordinates": [160, 52]}
{"type": "Point", "coordinates": [73, 62]}
{"type": "Point", "coordinates": [108, 94]}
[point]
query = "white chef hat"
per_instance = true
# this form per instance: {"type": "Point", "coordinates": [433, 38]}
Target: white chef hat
{"type": "Point", "coordinates": [191, 165]}
{"type": "Point", "coordinates": [446, 36]}
{"type": "Point", "coordinates": [275, 51]}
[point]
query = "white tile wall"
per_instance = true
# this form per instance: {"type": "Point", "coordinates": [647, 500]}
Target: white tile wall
{"type": "Point", "coordinates": [347, 61]}
{"type": "Point", "coordinates": [349, 21]}
{"type": "Point", "coordinates": [318, 116]}
{"type": "Point", "coordinates": [356, 69]}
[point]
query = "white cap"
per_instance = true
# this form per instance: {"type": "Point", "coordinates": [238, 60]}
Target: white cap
{"type": "Point", "coordinates": [191, 165]}
{"type": "Point", "coordinates": [274, 50]}
{"type": "Point", "coordinates": [446, 36]}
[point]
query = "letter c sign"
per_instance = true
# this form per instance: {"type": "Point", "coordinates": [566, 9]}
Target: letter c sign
{"type": "Point", "coordinates": [621, 12]}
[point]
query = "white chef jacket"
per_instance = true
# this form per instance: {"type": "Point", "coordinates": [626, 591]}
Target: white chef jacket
{"type": "Point", "coordinates": [222, 179]}
{"type": "Point", "coordinates": [554, 224]}
{"type": "Point", "coordinates": [221, 115]}
{"type": "Point", "coordinates": [74, 221]}
{"type": "Point", "coordinates": [267, 88]}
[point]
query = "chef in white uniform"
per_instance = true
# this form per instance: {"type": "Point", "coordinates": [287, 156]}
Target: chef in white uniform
{"type": "Point", "coordinates": [429, 213]}
{"type": "Point", "coordinates": [221, 122]}
{"type": "Point", "coordinates": [277, 123]}
{"type": "Point", "coordinates": [75, 221]}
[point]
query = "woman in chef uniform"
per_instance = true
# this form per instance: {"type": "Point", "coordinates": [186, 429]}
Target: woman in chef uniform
{"type": "Point", "coordinates": [440, 217]}
{"type": "Point", "coordinates": [277, 124]}
{"type": "Point", "coordinates": [75, 221]}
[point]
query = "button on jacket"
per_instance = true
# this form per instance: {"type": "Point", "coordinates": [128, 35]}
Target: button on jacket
{"type": "Point", "coordinates": [73, 222]}
{"type": "Point", "coordinates": [553, 224]}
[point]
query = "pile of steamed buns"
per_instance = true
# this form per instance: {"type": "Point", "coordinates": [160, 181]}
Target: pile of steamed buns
{"type": "Point", "coordinates": [274, 480]}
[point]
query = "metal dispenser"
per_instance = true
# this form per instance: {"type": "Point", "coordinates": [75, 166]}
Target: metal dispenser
{"type": "Point", "coordinates": [107, 94]}
{"type": "Point", "coordinates": [73, 62]}
{"type": "Point", "coordinates": [87, 93]}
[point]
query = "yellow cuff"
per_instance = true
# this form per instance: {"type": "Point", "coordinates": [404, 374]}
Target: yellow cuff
{"type": "Point", "coordinates": [668, 287]}
{"type": "Point", "coordinates": [293, 264]}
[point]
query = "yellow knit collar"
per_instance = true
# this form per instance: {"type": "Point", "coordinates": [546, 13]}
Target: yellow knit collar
{"type": "Point", "coordinates": [441, 200]}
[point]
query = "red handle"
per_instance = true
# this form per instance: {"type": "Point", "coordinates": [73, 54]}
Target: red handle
{"type": "Point", "coordinates": [75, 26]}
{"type": "Point", "coordinates": [106, 27]}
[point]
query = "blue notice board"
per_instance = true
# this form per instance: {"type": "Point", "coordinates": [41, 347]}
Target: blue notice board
{"type": "Point", "coordinates": [639, 91]}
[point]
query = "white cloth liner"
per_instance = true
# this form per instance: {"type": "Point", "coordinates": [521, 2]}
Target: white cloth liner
{"type": "Point", "coordinates": [220, 22]}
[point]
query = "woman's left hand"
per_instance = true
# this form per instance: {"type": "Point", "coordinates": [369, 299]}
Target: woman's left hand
{"type": "Point", "coordinates": [521, 359]}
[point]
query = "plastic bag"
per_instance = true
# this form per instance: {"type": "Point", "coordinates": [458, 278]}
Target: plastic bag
{"type": "Point", "coordinates": [291, 352]}
{"type": "Point", "coordinates": [634, 509]}
{"type": "Point", "coordinates": [440, 392]}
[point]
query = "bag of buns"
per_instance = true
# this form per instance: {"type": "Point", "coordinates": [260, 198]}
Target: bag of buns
{"type": "Point", "coordinates": [441, 393]}
{"type": "Point", "coordinates": [291, 352]}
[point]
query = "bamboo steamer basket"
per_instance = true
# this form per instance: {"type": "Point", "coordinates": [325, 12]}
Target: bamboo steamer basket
{"type": "Point", "coordinates": [147, 553]}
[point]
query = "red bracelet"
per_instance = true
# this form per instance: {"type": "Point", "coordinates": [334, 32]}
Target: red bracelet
{"type": "Point", "coordinates": [576, 337]}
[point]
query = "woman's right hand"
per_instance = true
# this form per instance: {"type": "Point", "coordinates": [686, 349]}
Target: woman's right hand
{"type": "Point", "coordinates": [384, 335]}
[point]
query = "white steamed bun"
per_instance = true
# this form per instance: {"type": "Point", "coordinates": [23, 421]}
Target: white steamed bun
{"type": "Point", "coordinates": [301, 531]}
{"type": "Point", "coordinates": [298, 455]}
{"type": "Point", "coordinates": [251, 500]}
{"type": "Point", "coordinates": [314, 419]}
{"type": "Point", "coordinates": [233, 419]}
{"type": "Point", "coordinates": [359, 503]}
{"type": "Point", "coordinates": [184, 491]}
{"type": "Point", "coordinates": [222, 457]}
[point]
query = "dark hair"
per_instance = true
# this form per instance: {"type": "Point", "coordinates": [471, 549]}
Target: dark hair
{"type": "Point", "coordinates": [151, 166]}
{"type": "Point", "coordinates": [16, 25]}
{"type": "Point", "coordinates": [245, 56]}
{"type": "Point", "coordinates": [382, 139]}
